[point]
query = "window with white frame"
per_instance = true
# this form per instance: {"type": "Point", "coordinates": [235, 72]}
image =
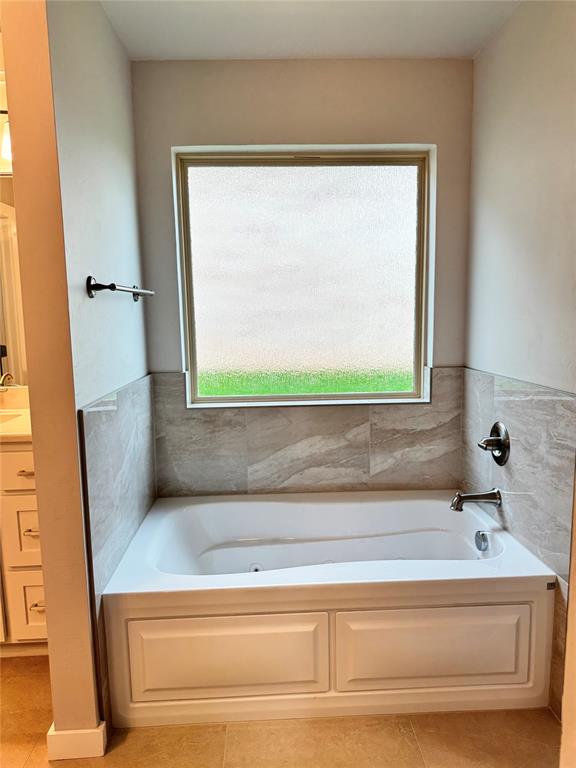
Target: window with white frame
{"type": "Point", "coordinates": [303, 274]}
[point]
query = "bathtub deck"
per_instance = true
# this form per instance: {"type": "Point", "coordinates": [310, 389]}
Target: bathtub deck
{"type": "Point", "coordinates": [509, 739]}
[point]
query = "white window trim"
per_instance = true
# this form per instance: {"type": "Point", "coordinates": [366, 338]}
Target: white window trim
{"type": "Point", "coordinates": [427, 312]}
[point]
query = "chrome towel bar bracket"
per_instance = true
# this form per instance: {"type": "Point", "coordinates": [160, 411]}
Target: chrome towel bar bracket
{"type": "Point", "coordinates": [93, 287]}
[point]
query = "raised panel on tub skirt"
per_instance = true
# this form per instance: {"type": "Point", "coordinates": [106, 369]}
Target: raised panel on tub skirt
{"type": "Point", "coordinates": [432, 647]}
{"type": "Point", "coordinates": [186, 658]}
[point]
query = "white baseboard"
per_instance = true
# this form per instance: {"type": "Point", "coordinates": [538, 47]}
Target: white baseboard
{"type": "Point", "coordinates": [65, 745]}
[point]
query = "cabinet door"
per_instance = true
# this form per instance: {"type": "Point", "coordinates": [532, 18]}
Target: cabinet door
{"type": "Point", "coordinates": [25, 604]}
{"type": "Point", "coordinates": [228, 656]}
{"type": "Point", "coordinates": [432, 647]}
{"type": "Point", "coordinates": [20, 531]}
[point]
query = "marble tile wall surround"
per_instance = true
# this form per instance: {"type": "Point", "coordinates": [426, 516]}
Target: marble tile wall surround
{"type": "Point", "coordinates": [119, 472]}
{"type": "Point", "coordinates": [198, 451]}
{"type": "Point", "coordinates": [538, 480]}
{"type": "Point", "coordinates": [119, 485]}
{"type": "Point", "coordinates": [477, 419]}
{"type": "Point", "coordinates": [307, 448]}
{"type": "Point", "coordinates": [419, 445]}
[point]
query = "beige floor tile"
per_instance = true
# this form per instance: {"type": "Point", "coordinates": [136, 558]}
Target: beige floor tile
{"type": "Point", "coordinates": [332, 743]}
{"type": "Point", "coordinates": [21, 666]}
{"type": "Point", "coordinates": [508, 739]}
{"type": "Point", "coordinates": [15, 749]}
{"type": "Point", "coordinates": [168, 747]}
{"type": "Point", "coordinates": [25, 708]}
{"type": "Point", "coordinates": [25, 711]}
{"type": "Point", "coordinates": [537, 725]}
{"type": "Point", "coordinates": [30, 722]}
{"type": "Point", "coordinates": [21, 692]}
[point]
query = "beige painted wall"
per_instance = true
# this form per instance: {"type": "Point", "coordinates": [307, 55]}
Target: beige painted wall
{"type": "Point", "coordinates": [53, 411]}
{"type": "Point", "coordinates": [522, 275]}
{"type": "Point", "coordinates": [301, 102]}
{"type": "Point", "coordinates": [93, 107]}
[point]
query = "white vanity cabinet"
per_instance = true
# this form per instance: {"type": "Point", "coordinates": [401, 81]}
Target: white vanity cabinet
{"type": "Point", "coordinates": [24, 613]}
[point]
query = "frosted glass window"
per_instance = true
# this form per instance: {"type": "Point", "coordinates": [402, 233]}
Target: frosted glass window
{"type": "Point", "coordinates": [304, 279]}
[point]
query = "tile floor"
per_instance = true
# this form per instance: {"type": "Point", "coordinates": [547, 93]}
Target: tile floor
{"type": "Point", "coordinates": [510, 739]}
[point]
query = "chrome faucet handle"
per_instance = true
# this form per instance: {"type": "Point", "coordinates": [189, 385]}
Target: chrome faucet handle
{"type": "Point", "coordinates": [498, 444]}
{"type": "Point", "coordinates": [490, 444]}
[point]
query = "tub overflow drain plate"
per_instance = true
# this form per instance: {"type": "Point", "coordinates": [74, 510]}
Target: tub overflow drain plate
{"type": "Point", "coordinates": [482, 541]}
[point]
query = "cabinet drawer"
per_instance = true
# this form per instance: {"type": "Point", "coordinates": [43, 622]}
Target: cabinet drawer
{"type": "Point", "coordinates": [25, 604]}
{"type": "Point", "coordinates": [17, 471]}
{"type": "Point", "coordinates": [228, 656]}
{"type": "Point", "coordinates": [20, 532]}
{"type": "Point", "coordinates": [432, 647]}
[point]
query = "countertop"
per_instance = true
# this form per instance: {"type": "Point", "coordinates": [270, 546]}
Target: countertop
{"type": "Point", "coordinates": [15, 425]}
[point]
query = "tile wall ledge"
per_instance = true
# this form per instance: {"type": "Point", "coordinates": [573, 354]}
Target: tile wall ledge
{"type": "Point", "coordinates": [561, 391]}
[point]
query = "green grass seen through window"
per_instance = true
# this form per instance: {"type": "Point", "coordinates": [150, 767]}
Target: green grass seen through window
{"type": "Point", "coordinates": [265, 383]}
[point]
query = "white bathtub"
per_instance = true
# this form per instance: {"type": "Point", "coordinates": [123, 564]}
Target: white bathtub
{"type": "Point", "coordinates": [300, 605]}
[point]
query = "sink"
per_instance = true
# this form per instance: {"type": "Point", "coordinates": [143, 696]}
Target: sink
{"type": "Point", "coordinates": [4, 417]}
{"type": "Point", "coordinates": [14, 424]}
